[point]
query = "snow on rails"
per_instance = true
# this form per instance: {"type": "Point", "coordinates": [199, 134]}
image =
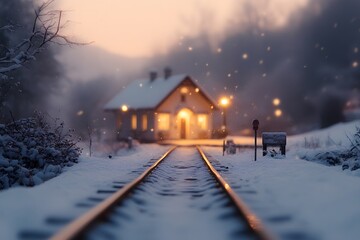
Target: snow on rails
{"type": "Point", "coordinates": [180, 196]}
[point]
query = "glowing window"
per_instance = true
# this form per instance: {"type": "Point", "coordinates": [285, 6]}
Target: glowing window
{"type": "Point", "coordinates": [163, 121]}
{"type": "Point", "coordinates": [144, 122]}
{"type": "Point", "coordinates": [133, 122]}
{"type": "Point", "coordinates": [202, 121]}
{"type": "Point", "coordinates": [184, 90]}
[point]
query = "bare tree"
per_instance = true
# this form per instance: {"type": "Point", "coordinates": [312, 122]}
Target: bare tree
{"type": "Point", "coordinates": [47, 28]}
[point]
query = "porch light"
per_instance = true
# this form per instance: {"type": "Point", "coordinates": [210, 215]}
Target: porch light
{"type": "Point", "coordinates": [183, 114]}
{"type": "Point", "coordinates": [124, 108]}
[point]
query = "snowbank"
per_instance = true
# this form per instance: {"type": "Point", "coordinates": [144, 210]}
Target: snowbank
{"type": "Point", "coordinates": [24, 208]}
{"type": "Point", "coordinates": [299, 199]}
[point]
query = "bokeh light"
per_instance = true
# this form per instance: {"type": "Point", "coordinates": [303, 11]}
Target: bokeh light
{"type": "Point", "coordinates": [276, 101]}
{"type": "Point", "coordinates": [278, 113]}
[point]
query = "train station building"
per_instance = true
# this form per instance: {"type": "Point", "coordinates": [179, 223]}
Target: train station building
{"type": "Point", "coordinates": [163, 108]}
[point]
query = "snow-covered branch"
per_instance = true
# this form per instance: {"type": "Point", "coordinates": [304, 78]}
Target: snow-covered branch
{"type": "Point", "coordinates": [47, 28]}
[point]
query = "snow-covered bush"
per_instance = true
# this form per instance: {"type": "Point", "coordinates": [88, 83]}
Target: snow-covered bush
{"type": "Point", "coordinates": [335, 154]}
{"type": "Point", "coordinates": [311, 142]}
{"type": "Point", "coordinates": [33, 151]}
{"type": "Point", "coordinates": [355, 143]}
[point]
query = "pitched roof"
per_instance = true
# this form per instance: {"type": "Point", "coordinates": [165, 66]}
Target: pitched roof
{"type": "Point", "coordinates": [145, 94]}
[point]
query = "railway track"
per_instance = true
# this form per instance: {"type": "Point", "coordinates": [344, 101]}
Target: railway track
{"type": "Point", "coordinates": [181, 196]}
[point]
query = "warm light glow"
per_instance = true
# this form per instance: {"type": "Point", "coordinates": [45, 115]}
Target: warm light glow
{"type": "Point", "coordinates": [276, 101]}
{"type": "Point", "coordinates": [184, 90]}
{"type": "Point", "coordinates": [144, 28]}
{"type": "Point", "coordinates": [278, 113]}
{"type": "Point", "coordinates": [355, 64]}
{"type": "Point", "coordinates": [224, 101]}
{"type": "Point", "coordinates": [245, 56]}
{"type": "Point", "coordinates": [163, 120]}
{"type": "Point", "coordinates": [183, 114]}
{"type": "Point", "coordinates": [133, 122]}
{"type": "Point", "coordinates": [197, 90]}
{"type": "Point", "coordinates": [124, 108]}
{"type": "Point", "coordinates": [202, 121]}
{"type": "Point", "coordinates": [144, 122]}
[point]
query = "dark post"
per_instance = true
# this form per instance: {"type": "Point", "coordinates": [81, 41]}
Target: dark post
{"type": "Point", "coordinates": [224, 117]}
{"type": "Point", "coordinates": [255, 127]}
{"type": "Point", "coordinates": [223, 147]}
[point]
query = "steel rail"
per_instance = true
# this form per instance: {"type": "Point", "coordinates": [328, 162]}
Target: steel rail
{"type": "Point", "coordinates": [76, 229]}
{"type": "Point", "coordinates": [252, 221]}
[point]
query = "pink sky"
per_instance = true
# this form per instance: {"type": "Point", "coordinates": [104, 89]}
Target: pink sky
{"type": "Point", "coordinates": [139, 28]}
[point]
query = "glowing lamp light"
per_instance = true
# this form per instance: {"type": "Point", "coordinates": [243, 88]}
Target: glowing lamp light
{"type": "Point", "coordinates": [224, 101]}
{"type": "Point", "coordinates": [183, 114]}
{"type": "Point", "coordinates": [276, 101]}
{"type": "Point", "coordinates": [278, 113]}
{"type": "Point", "coordinates": [197, 90]}
{"type": "Point", "coordinates": [124, 108]}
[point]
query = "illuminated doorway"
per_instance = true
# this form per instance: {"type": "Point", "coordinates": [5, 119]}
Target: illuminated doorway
{"type": "Point", "coordinates": [183, 128]}
{"type": "Point", "coordinates": [183, 120]}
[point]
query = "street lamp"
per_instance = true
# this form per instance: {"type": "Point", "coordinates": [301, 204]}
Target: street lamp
{"type": "Point", "coordinates": [224, 102]}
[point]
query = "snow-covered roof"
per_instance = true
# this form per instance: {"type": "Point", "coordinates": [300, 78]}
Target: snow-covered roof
{"type": "Point", "coordinates": [144, 94]}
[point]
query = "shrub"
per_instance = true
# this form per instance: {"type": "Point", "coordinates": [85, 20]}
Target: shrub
{"type": "Point", "coordinates": [312, 142]}
{"type": "Point", "coordinates": [355, 142]}
{"type": "Point", "coordinates": [33, 151]}
{"type": "Point", "coordinates": [335, 154]}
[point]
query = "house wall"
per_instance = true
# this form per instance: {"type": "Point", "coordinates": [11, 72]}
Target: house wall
{"type": "Point", "coordinates": [194, 103]}
{"type": "Point", "coordinates": [124, 125]}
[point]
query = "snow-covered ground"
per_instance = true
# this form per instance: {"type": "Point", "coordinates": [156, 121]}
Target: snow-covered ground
{"type": "Point", "coordinates": [298, 198]}
{"type": "Point", "coordinates": [295, 198]}
{"type": "Point", "coordinates": [23, 208]}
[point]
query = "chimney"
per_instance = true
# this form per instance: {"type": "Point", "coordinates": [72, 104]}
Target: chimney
{"type": "Point", "coordinates": [153, 76]}
{"type": "Point", "coordinates": [167, 72]}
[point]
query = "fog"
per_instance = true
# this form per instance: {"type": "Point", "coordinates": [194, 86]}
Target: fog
{"type": "Point", "coordinates": [305, 54]}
